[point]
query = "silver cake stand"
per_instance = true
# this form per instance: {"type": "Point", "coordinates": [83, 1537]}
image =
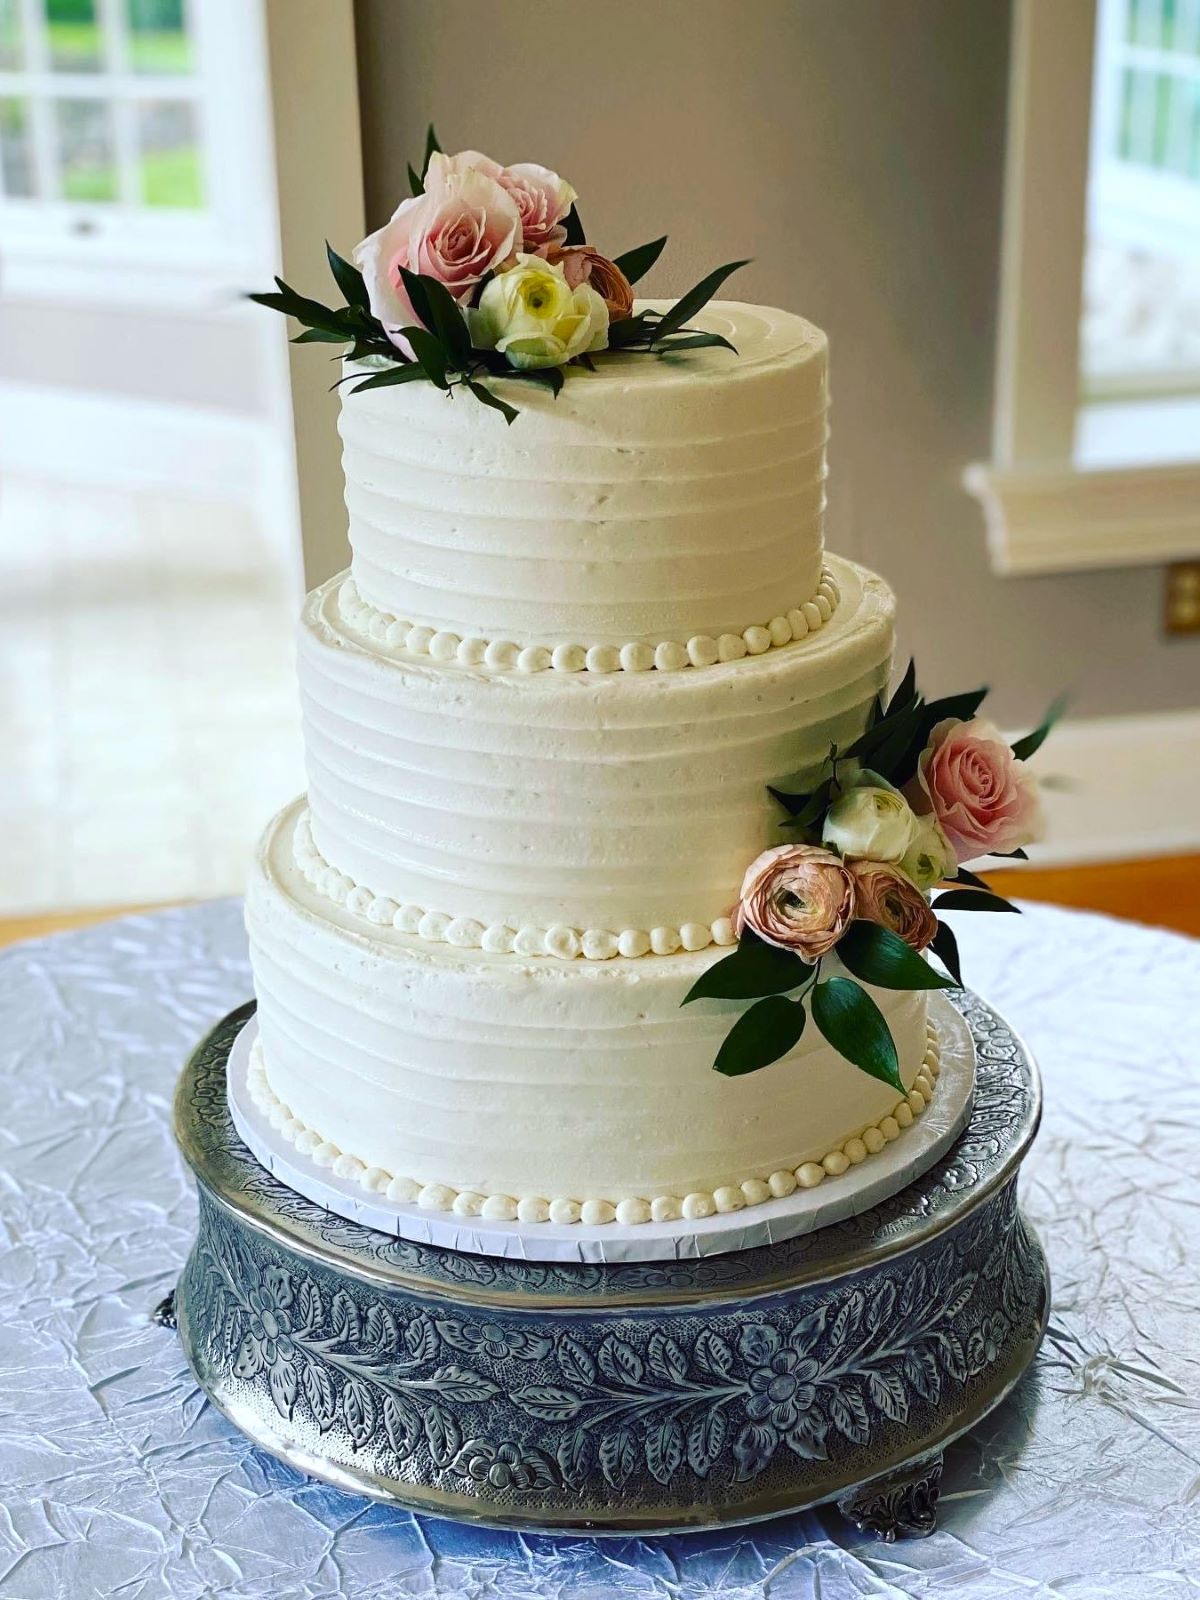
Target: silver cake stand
{"type": "Point", "coordinates": [626, 1397]}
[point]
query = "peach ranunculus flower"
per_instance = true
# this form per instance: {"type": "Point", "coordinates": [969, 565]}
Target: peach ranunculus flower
{"type": "Point", "coordinates": [798, 897]}
{"type": "Point", "coordinates": [583, 264]}
{"type": "Point", "coordinates": [983, 797]}
{"type": "Point", "coordinates": [886, 896]}
{"type": "Point", "coordinates": [465, 225]}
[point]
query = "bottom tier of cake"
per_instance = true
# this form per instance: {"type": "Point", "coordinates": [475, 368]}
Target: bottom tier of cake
{"type": "Point", "coordinates": [533, 1087]}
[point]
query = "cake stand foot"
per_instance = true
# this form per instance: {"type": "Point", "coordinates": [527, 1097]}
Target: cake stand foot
{"type": "Point", "coordinates": [902, 1504]}
{"type": "Point", "coordinates": [163, 1315]}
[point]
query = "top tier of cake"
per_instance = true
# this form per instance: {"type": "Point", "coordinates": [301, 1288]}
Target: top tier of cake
{"type": "Point", "coordinates": [653, 499]}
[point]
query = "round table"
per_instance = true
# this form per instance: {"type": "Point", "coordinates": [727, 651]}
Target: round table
{"type": "Point", "coordinates": [119, 1479]}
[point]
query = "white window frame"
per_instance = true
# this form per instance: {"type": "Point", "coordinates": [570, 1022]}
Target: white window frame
{"type": "Point", "coordinates": [124, 250]}
{"type": "Point", "coordinates": [1046, 509]}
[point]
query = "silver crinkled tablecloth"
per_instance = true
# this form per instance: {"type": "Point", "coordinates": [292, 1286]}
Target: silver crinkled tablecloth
{"type": "Point", "coordinates": [117, 1479]}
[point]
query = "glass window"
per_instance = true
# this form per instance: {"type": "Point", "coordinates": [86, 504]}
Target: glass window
{"type": "Point", "coordinates": [169, 155]}
{"type": "Point", "coordinates": [17, 175]}
{"type": "Point", "coordinates": [86, 158]}
{"type": "Point", "coordinates": [74, 36]}
{"type": "Point", "coordinates": [158, 36]}
{"type": "Point", "coordinates": [1141, 321]}
{"type": "Point", "coordinates": [11, 52]}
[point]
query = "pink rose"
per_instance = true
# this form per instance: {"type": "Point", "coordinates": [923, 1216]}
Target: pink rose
{"type": "Point", "coordinates": [983, 798]}
{"type": "Point", "coordinates": [541, 196]}
{"type": "Point", "coordinates": [543, 199]}
{"type": "Point", "coordinates": [798, 897]}
{"type": "Point", "coordinates": [464, 225]}
{"type": "Point", "coordinates": [887, 897]}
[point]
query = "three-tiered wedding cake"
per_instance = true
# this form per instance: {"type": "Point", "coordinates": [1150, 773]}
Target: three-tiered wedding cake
{"type": "Point", "coordinates": [541, 712]}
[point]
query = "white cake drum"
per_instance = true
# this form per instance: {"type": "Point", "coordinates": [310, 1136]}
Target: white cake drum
{"type": "Point", "coordinates": [852, 1192]}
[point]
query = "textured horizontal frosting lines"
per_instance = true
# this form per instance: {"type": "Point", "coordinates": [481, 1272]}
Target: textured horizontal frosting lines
{"type": "Point", "coordinates": [648, 499]}
{"type": "Point", "coordinates": [493, 1073]}
{"type": "Point", "coordinates": [629, 801]}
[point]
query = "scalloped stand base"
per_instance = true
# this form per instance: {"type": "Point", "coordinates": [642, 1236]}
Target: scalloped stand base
{"type": "Point", "coordinates": [875, 1179]}
{"type": "Point", "coordinates": [625, 1397]}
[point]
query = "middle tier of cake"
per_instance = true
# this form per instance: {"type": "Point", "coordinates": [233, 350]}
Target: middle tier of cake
{"type": "Point", "coordinates": [566, 812]}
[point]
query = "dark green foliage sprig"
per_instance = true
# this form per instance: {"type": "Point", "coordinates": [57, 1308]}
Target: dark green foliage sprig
{"type": "Point", "coordinates": [442, 350]}
{"type": "Point", "coordinates": [783, 987]}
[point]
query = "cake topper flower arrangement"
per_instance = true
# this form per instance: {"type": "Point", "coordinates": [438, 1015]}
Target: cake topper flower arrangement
{"type": "Point", "coordinates": [927, 787]}
{"type": "Point", "coordinates": [485, 272]}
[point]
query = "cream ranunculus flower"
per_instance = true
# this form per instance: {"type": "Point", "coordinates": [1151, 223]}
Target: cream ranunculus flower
{"type": "Point", "coordinates": [533, 317]}
{"type": "Point", "coordinates": [870, 821]}
{"type": "Point", "coordinates": [930, 857]}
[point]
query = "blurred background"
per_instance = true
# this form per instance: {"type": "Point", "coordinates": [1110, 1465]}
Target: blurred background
{"type": "Point", "coordinates": [993, 208]}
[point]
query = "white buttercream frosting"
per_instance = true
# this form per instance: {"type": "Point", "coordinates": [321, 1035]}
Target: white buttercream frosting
{"type": "Point", "coordinates": [565, 1211]}
{"type": "Point", "coordinates": [653, 502]}
{"type": "Point", "coordinates": [512, 1076]}
{"type": "Point", "coordinates": [594, 944]}
{"type": "Point", "coordinates": [619, 802]}
{"type": "Point", "coordinates": [670, 655]}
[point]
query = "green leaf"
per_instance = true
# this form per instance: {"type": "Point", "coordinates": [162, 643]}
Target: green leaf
{"type": "Point", "coordinates": [945, 947]}
{"type": "Point", "coordinates": [628, 331]}
{"type": "Point", "coordinates": [755, 968]}
{"type": "Point", "coordinates": [549, 377]}
{"type": "Point", "coordinates": [432, 148]}
{"type": "Point", "coordinates": [319, 336]}
{"type": "Point", "coordinates": [487, 398]}
{"type": "Point", "coordinates": [964, 876]}
{"type": "Point", "coordinates": [428, 350]}
{"type": "Point", "coordinates": [414, 284]}
{"type": "Point", "coordinates": [906, 693]}
{"type": "Point", "coordinates": [761, 1035]}
{"type": "Point", "coordinates": [962, 707]}
{"type": "Point", "coordinates": [409, 372]}
{"type": "Point", "coordinates": [635, 264]}
{"type": "Point", "coordinates": [972, 900]}
{"type": "Point", "coordinates": [879, 956]}
{"type": "Point", "coordinates": [694, 341]}
{"type": "Point", "coordinates": [1033, 742]}
{"type": "Point", "coordinates": [447, 322]}
{"type": "Point", "coordinates": [309, 312]}
{"type": "Point", "coordinates": [906, 722]}
{"type": "Point", "coordinates": [694, 300]}
{"type": "Point", "coordinates": [854, 1025]}
{"type": "Point", "coordinates": [810, 814]}
{"type": "Point", "coordinates": [1009, 855]}
{"type": "Point", "coordinates": [348, 278]}
{"type": "Point", "coordinates": [415, 182]}
{"type": "Point", "coordinates": [574, 227]}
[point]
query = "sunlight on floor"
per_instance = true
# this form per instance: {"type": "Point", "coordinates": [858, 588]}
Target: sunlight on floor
{"type": "Point", "coordinates": [147, 696]}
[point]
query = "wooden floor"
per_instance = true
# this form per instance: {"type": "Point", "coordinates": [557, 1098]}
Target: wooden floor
{"type": "Point", "coordinates": [1164, 891]}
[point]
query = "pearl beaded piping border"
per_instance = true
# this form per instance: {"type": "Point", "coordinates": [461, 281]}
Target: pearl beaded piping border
{"type": "Point", "coordinates": [596, 1213]}
{"type": "Point", "coordinates": [503, 655]}
{"type": "Point", "coordinates": [594, 944]}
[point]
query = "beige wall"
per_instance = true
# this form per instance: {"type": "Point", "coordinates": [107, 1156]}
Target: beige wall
{"type": "Point", "coordinates": [854, 148]}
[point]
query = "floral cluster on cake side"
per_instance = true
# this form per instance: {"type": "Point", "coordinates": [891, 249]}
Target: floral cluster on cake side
{"type": "Point", "coordinates": [485, 271]}
{"type": "Point", "coordinates": [928, 787]}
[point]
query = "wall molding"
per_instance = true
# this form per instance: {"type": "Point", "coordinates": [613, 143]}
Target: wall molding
{"type": "Point", "coordinates": [1118, 787]}
{"type": "Point", "coordinates": [1064, 519]}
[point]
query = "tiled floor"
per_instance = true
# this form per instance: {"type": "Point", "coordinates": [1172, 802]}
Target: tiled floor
{"type": "Point", "coordinates": [148, 712]}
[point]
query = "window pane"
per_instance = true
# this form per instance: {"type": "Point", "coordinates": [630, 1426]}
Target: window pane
{"type": "Point", "coordinates": [169, 154]}
{"type": "Point", "coordinates": [16, 149]}
{"type": "Point", "coordinates": [158, 36]}
{"type": "Point", "coordinates": [74, 35]}
{"type": "Point", "coordinates": [87, 161]}
{"type": "Point", "coordinates": [10, 35]}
